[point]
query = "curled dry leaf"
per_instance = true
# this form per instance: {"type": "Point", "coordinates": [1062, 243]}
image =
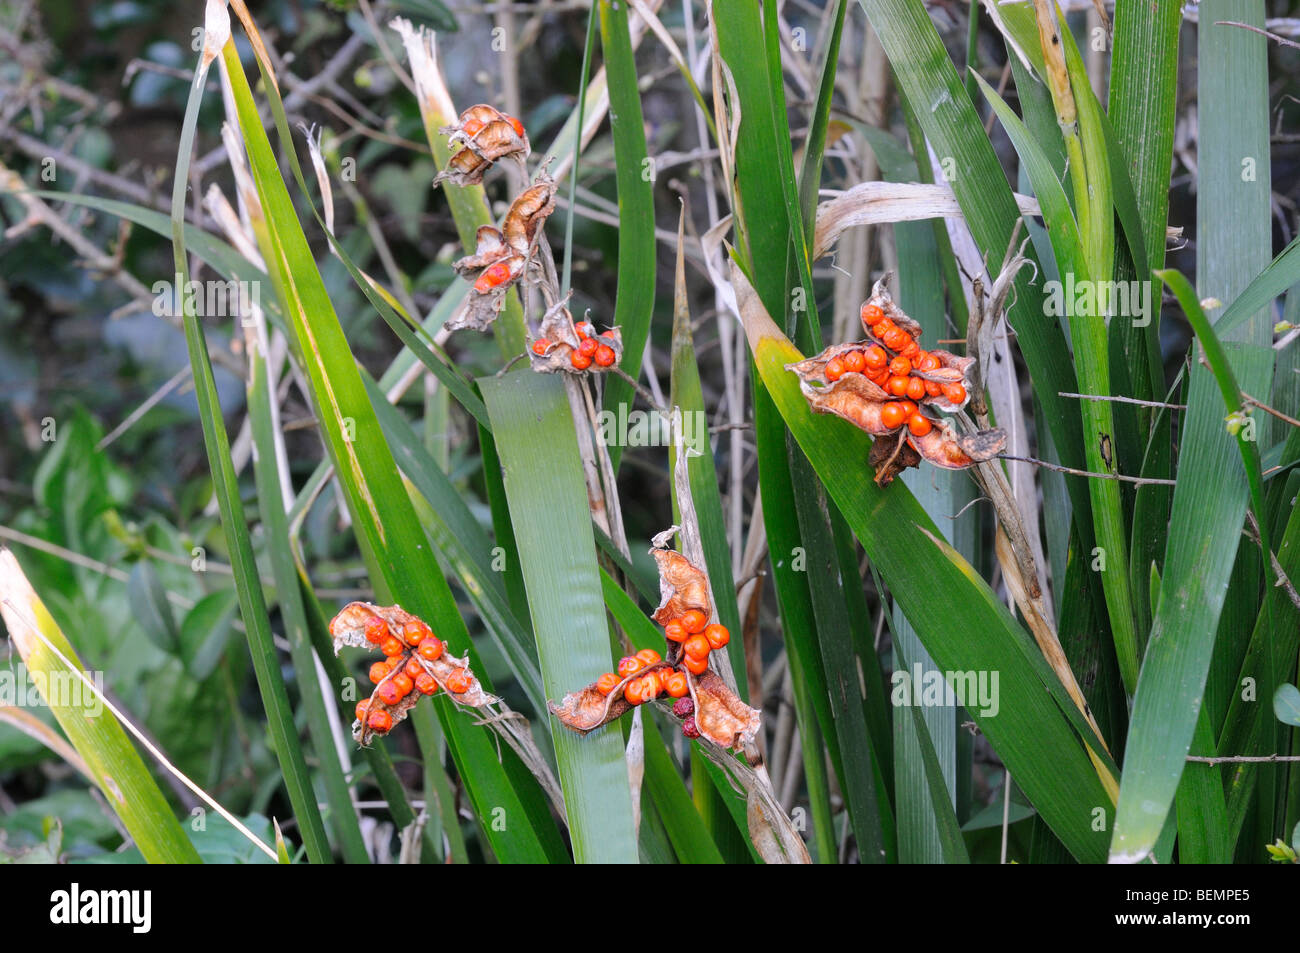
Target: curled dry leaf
{"type": "Point", "coordinates": [485, 136]}
{"type": "Point", "coordinates": [362, 625]}
{"type": "Point", "coordinates": [503, 255]}
{"type": "Point", "coordinates": [559, 345]}
{"type": "Point", "coordinates": [890, 387]}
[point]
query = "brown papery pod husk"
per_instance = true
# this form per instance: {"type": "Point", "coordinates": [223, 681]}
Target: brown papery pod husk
{"type": "Point", "coordinates": [557, 330]}
{"type": "Point", "coordinates": [946, 448]}
{"type": "Point", "coordinates": [482, 307]}
{"type": "Point", "coordinates": [528, 213]}
{"type": "Point", "coordinates": [348, 629]}
{"type": "Point", "coordinates": [490, 248]}
{"type": "Point", "coordinates": [720, 714]}
{"type": "Point", "coordinates": [486, 136]}
{"type": "Point", "coordinates": [682, 586]}
{"type": "Point", "coordinates": [854, 396]}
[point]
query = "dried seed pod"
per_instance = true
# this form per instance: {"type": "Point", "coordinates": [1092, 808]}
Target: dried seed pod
{"type": "Point", "coordinates": [563, 342]}
{"type": "Point", "coordinates": [393, 694]}
{"type": "Point", "coordinates": [485, 136]}
{"type": "Point", "coordinates": [503, 255]}
{"type": "Point", "coordinates": [914, 379]}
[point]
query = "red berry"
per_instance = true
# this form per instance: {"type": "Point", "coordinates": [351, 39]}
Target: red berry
{"type": "Point", "coordinates": [900, 367]}
{"type": "Point", "coordinates": [629, 665]}
{"type": "Point", "coordinates": [388, 693]}
{"type": "Point", "coordinates": [516, 125]}
{"type": "Point", "coordinates": [717, 635]}
{"type": "Point", "coordinates": [605, 356]}
{"type": "Point", "coordinates": [834, 369]}
{"type": "Point", "coordinates": [541, 346]}
{"type": "Point", "coordinates": [363, 709]}
{"type": "Point", "coordinates": [854, 361]}
{"type": "Point", "coordinates": [579, 360]}
{"type": "Point", "coordinates": [650, 687]}
{"type": "Point", "coordinates": [677, 687]}
{"type": "Point", "coordinates": [413, 668]}
{"type": "Point", "coordinates": [897, 386]}
{"type": "Point", "coordinates": [697, 666]}
{"type": "Point", "coordinates": [916, 388]}
{"type": "Point", "coordinates": [875, 357]}
{"type": "Point", "coordinates": [896, 339]}
{"type": "Point", "coordinates": [588, 347]}
{"type": "Point", "coordinates": [584, 329]}
{"type": "Point", "coordinates": [415, 632]}
{"type": "Point", "coordinates": [955, 393]}
{"type": "Point", "coordinates": [674, 632]}
{"type": "Point", "coordinates": [697, 646]}
{"type": "Point", "coordinates": [919, 424]}
{"type": "Point", "coordinates": [892, 415]}
{"type": "Point", "coordinates": [632, 692]}
{"type": "Point", "coordinates": [376, 630]}
{"type": "Point", "coordinates": [391, 647]}
{"type": "Point", "coordinates": [426, 684]}
{"type": "Point", "coordinates": [493, 276]}
{"type": "Point", "coordinates": [380, 721]}
{"type": "Point", "coordinates": [377, 672]}
{"type": "Point", "coordinates": [607, 683]}
{"type": "Point", "coordinates": [693, 621]}
{"type": "Point", "coordinates": [431, 648]}
{"type": "Point", "coordinates": [648, 656]}
{"type": "Point", "coordinates": [872, 314]}
{"type": "Point", "coordinates": [458, 682]}
{"type": "Point", "coordinates": [403, 682]}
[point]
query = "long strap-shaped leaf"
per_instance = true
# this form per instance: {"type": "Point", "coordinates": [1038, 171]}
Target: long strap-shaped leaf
{"type": "Point", "coordinates": [1210, 498]}
{"type": "Point", "coordinates": [385, 521]}
{"type": "Point", "coordinates": [635, 299]}
{"type": "Point", "coordinates": [252, 604]}
{"type": "Point", "coordinates": [112, 761]}
{"type": "Point", "coordinates": [551, 519]}
{"type": "Point", "coordinates": [957, 617]}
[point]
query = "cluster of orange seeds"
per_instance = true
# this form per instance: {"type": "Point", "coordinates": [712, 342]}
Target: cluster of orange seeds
{"type": "Point", "coordinates": [409, 675]}
{"type": "Point", "coordinates": [893, 365]}
{"type": "Point", "coordinates": [697, 639]}
{"type": "Point", "coordinates": [691, 630]}
{"type": "Point", "coordinates": [659, 680]}
{"type": "Point", "coordinates": [591, 349]}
